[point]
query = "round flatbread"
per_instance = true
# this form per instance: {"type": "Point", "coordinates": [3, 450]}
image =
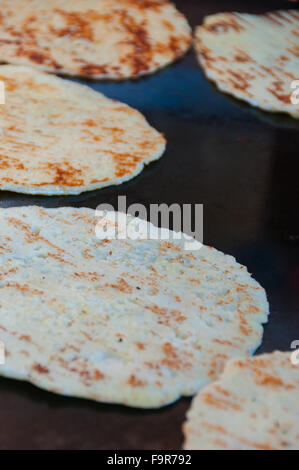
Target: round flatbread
{"type": "Point", "coordinates": [93, 38]}
{"type": "Point", "coordinates": [252, 406]}
{"type": "Point", "coordinates": [59, 137]}
{"type": "Point", "coordinates": [253, 57]}
{"type": "Point", "coordinates": [138, 322]}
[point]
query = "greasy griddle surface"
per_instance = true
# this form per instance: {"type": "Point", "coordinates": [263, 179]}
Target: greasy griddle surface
{"type": "Point", "coordinates": [243, 165]}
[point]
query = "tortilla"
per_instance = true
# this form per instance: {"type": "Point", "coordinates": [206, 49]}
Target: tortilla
{"type": "Point", "coordinates": [252, 406]}
{"type": "Point", "coordinates": [253, 57]}
{"type": "Point", "coordinates": [59, 137]}
{"type": "Point", "coordinates": [137, 322]}
{"type": "Point", "coordinates": [113, 39]}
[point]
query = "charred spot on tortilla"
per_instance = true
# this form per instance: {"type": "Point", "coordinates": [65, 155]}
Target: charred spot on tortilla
{"type": "Point", "coordinates": [75, 322]}
{"type": "Point", "coordinates": [97, 39]}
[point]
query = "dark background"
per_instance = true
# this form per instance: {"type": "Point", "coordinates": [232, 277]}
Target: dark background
{"type": "Point", "coordinates": [243, 165]}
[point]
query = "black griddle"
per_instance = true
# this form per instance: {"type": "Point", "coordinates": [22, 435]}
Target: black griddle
{"type": "Point", "coordinates": [242, 164]}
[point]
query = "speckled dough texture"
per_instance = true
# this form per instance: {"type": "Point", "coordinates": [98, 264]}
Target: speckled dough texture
{"type": "Point", "coordinates": [139, 322]}
{"type": "Point", "coordinates": [252, 406]}
{"type": "Point", "coordinates": [59, 137]}
{"type": "Point", "coordinates": [114, 39]}
{"type": "Point", "coordinates": [253, 57]}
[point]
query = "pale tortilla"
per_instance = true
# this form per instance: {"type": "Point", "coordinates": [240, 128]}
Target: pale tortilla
{"type": "Point", "coordinates": [139, 323]}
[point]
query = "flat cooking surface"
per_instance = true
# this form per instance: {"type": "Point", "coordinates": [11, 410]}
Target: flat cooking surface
{"type": "Point", "coordinates": [243, 165]}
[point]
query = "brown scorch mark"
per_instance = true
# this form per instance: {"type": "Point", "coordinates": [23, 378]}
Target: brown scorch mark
{"type": "Point", "coordinates": [40, 369]}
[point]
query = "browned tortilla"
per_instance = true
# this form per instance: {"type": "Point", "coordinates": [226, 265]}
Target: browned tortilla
{"type": "Point", "coordinates": [92, 38]}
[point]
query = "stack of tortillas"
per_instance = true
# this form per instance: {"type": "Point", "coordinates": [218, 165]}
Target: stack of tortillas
{"type": "Point", "coordinates": [93, 38]}
{"type": "Point", "coordinates": [139, 322]}
{"type": "Point", "coordinates": [253, 57]}
{"type": "Point", "coordinates": [59, 137]}
{"type": "Point", "coordinates": [253, 405]}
